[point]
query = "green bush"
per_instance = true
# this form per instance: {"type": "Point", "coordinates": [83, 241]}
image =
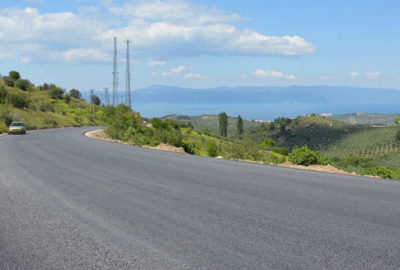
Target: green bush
{"type": "Point", "coordinates": [18, 100]}
{"type": "Point", "coordinates": [67, 98]}
{"type": "Point", "coordinates": [303, 156]}
{"type": "Point", "coordinates": [212, 149]}
{"type": "Point", "coordinates": [283, 150]}
{"type": "Point", "coordinates": [189, 147]}
{"type": "Point", "coordinates": [268, 142]}
{"type": "Point", "coordinates": [173, 137]}
{"type": "Point", "coordinates": [141, 135]}
{"type": "Point", "coordinates": [380, 171]}
{"type": "Point", "coordinates": [46, 107]}
{"type": "Point", "coordinates": [8, 81]}
{"type": "Point", "coordinates": [6, 117]}
{"type": "Point", "coordinates": [3, 94]}
{"type": "Point", "coordinates": [353, 160]}
{"type": "Point", "coordinates": [22, 84]}
{"type": "Point", "coordinates": [157, 123]}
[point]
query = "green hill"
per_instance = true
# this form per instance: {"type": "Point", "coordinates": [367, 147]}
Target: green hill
{"type": "Point", "coordinates": [211, 122]}
{"type": "Point", "coordinates": [38, 110]}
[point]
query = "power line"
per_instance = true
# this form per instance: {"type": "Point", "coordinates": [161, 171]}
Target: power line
{"type": "Point", "coordinates": [16, 38]}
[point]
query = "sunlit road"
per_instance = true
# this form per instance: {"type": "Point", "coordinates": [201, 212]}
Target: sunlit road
{"type": "Point", "coordinates": [71, 202]}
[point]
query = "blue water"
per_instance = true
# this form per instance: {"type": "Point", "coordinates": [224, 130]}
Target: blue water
{"type": "Point", "coordinates": [267, 111]}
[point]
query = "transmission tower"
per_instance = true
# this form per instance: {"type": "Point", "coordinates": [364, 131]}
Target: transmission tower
{"type": "Point", "coordinates": [128, 77]}
{"type": "Point", "coordinates": [115, 74]}
{"type": "Point", "coordinates": [106, 96]}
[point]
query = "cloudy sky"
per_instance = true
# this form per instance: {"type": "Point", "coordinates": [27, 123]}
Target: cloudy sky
{"type": "Point", "coordinates": [202, 43]}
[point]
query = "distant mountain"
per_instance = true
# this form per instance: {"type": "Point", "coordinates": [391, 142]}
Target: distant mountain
{"type": "Point", "coordinates": [264, 94]}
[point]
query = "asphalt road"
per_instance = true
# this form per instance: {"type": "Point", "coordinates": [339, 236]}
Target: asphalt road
{"type": "Point", "coordinates": [72, 202]}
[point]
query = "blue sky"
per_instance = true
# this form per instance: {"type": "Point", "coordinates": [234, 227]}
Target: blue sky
{"type": "Point", "coordinates": [203, 43]}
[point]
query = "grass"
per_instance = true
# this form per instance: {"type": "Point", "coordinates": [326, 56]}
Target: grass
{"type": "Point", "coordinates": [74, 114]}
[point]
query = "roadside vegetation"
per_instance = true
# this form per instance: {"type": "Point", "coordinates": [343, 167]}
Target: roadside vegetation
{"type": "Point", "coordinates": [44, 106]}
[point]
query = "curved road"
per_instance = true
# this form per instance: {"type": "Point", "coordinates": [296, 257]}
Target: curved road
{"type": "Point", "coordinates": [72, 202]}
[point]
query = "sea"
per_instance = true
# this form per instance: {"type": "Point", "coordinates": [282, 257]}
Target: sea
{"type": "Point", "coordinates": [263, 111]}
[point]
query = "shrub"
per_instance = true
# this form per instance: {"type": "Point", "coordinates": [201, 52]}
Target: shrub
{"type": "Point", "coordinates": [18, 100]}
{"type": "Point", "coordinates": [6, 117]}
{"type": "Point", "coordinates": [303, 156]}
{"type": "Point", "coordinates": [353, 160]}
{"type": "Point", "coordinates": [22, 84]}
{"type": "Point", "coordinates": [173, 137]}
{"type": "Point", "coordinates": [212, 149]}
{"type": "Point", "coordinates": [380, 171]}
{"type": "Point", "coordinates": [268, 142]}
{"type": "Point", "coordinates": [206, 131]}
{"type": "Point", "coordinates": [3, 94]}
{"type": "Point", "coordinates": [189, 147]}
{"type": "Point", "coordinates": [157, 123]}
{"type": "Point", "coordinates": [283, 151]}
{"type": "Point", "coordinates": [75, 93]}
{"type": "Point", "coordinates": [8, 81]}
{"type": "Point", "coordinates": [46, 107]}
{"type": "Point", "coordinates": [67, 98]}
{"type": "Point", "coordinates": [140, 135]}
{"type": "Point", "coordinates": [55, 92]}
{"type": "Point", "coordinates": [53, 123]}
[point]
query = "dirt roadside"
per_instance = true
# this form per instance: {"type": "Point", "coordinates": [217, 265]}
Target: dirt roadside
{"type": "Point", "coordinates": [99, 134]}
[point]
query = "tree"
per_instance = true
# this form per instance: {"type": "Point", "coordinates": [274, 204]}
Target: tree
{"type": "Point", "coordinates": [223, 124]}
{"type": "Point", "coordinates": [75, 93]}
{"type": "Point", "coordinates": [96, 100]}
{"type": "Point", "coordinates": [239, 126]}
{"type": "Point", "coordinates": [55, 92]}
{"type": "Point", "coordinates": [22, 84]}
{"type": "Point", "coordinates": [14, 75]}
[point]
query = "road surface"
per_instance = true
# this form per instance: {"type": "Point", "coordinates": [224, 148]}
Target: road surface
{"type": "Point", "coordinates": [72, 202]}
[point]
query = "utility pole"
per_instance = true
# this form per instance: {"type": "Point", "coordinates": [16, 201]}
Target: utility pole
{"type": "Point", "coordinates": [106, 95]}
{"type": "Point", "coordinates": [115, 74]}
{"type": "Point", "coordinates": [128, 77]}
{"type": "Point", "coordinates": [92, 105]}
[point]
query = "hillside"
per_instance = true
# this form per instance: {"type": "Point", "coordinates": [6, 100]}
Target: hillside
{"type": "Point", "coordinates": [336, 139]}
{"type": "Point", "coordinates": [211, 123]}
{"type": "Point", "coordinates": [38, 110]}
{"type": "Point", "coordinates": [372, 119]}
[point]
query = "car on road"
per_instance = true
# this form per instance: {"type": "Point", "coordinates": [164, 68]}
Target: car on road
{"type": "Point", "coordinates": [17, 127]}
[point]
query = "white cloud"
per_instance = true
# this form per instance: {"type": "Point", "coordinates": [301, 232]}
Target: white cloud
{"type": "Point", "coordinates": [88, 9]}
{"type": "Point", "coordinates": [163, 29]}
{"type": "Point", "coordinates": [195, 76]}
{"type": "Point", "coordinates": [26, 59]}
{"type": "Point", "coordinates": [77, 55]}
{"type": "Point", "coordinates": [174, 71]}
{"type": "Point", "coordinates": [273, 74]}
{"type": "Point", "coordinates": [354, 74]}
{"type": "Point", "coordinates": [156, 63]}
{"type": "Point", "coordinates": [291, 77]}
{"type": "Point", "coordinates": [372, 75]}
